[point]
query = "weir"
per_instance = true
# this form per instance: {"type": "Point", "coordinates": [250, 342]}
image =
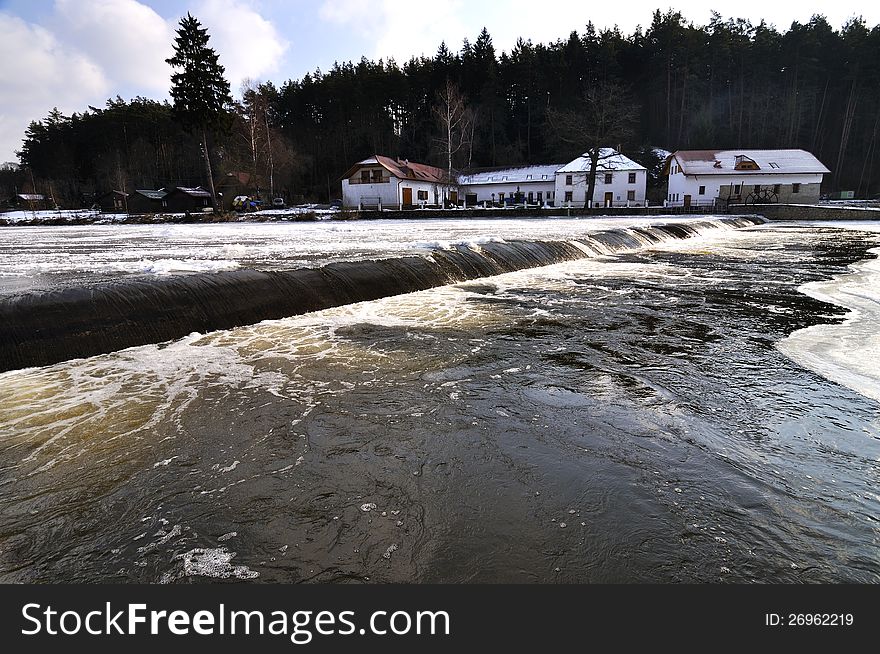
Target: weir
{"type": "Point", "coordinates": [43, 328]}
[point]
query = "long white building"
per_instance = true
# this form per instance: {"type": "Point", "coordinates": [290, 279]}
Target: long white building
{"type": "Point", "coordinates": [704, 177]}
{"type": "Point", "coordinates": [620, 181]}
{"type": "Point", "coordinates": [515, 185]}
{"type": "Point", "coordinates": [383, 182]}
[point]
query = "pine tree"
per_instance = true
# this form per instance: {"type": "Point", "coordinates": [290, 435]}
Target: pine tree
{"type": "Point", "coordinates": [200, 90]}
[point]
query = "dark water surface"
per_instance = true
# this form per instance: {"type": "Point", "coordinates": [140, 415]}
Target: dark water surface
{"type": "Point", "coordinates": [628, 419]}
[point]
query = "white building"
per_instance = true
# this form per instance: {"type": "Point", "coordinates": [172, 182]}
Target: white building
{"type": "Point", "coordinates": [620, 181]}
{"type": "Point", "coordinates": [382, 182]}
{"type": "Point", "coordinates": [521, 184]}
{"type": "Point", "coordinates": [702, 177]}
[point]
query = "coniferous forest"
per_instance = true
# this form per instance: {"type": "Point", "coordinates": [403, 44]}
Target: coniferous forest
{"type": "Point", "coordinates": [728, 84]}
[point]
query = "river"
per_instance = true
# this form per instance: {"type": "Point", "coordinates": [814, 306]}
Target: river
{"type": "Point", "coordinates": [701, 410]}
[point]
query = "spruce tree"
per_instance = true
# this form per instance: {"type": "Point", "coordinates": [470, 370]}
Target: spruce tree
{"type": "Point", "coordinates": [199, 90]}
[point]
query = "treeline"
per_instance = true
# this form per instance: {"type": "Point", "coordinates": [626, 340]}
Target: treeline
{"type": "Point", "coordinates": [728, 84]}
{"type": "Point", "coordinates": [123, 145]}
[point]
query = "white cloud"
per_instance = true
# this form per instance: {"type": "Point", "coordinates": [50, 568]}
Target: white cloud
{"type": "Point", "coordinates": [38, 73]}
{"type": "Point", "coordinates": [400, 31]}
{"type": "Point", "coordinates": [127, 39]}
{"type": "Point", "coordinates": [249, 45]}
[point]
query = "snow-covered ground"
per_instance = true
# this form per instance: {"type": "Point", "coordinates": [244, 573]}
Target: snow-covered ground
{"type": "Point", "coordinates": [72, 215]}
{"type": "Point", "coordinates": [848, 352]}
{"type": "Point", "coordinates": [316, 209]}
{"type": "Point", "coordinates": [87, 215]}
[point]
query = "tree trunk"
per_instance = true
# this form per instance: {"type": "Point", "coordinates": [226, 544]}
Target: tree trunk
{"type": "Point", "coordinates": [869, 157]}
{"type": "Point", "coordinates": [820, 116]}
{"type": "Point", "coordinates": [271, 159]}
{"type": "Point", "coordinates": [848, 116]}
{"type": "Point", "coordinates": [448, 140]}
{"type": "Point", "coordinates": [591, 179]}
{"type": "Point", "coordinates": [208, 172]}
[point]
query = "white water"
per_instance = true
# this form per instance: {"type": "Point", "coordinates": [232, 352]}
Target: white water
{"type": "Point", "coordinates": [847, 353]}
{"type": "Point", "coordinates": [33, 258]}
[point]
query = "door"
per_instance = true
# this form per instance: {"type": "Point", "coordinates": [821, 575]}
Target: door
{"type": "Point", "coordinates": [687, 201]}
{"type": "Point", "coordinates": [609, 199]}
{"type": "Point", "coordinates": [407, 197]}
{"type": "Point", "coordinates": [453, 197]}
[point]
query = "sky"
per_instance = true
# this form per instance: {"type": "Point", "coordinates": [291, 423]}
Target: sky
{"type": "Point", "coordinates": [74, 53]}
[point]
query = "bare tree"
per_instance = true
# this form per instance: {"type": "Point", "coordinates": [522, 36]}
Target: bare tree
{"type": "Point", "coordinates": [250, 125]}
{"type": "Point", "coordinates": [255, 131]}
{"type": "Point", "coordinates": [456, 121]}
{"type": "Point", "coordinates": [604, 117]}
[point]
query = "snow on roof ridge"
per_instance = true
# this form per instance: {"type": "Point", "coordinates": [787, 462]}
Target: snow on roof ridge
{"type": "Point", "coordinates": [610, 159]}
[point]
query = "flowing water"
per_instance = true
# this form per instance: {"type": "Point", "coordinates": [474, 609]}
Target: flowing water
{"type": "Point", "coordinates": [659, 414]}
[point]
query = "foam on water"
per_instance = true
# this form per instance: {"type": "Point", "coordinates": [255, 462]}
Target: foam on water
{"type": "Point", "coordinates": [214, 563]}
{"type": "Point", "coordinates": [847, 353]}
{"type": "Point", "coordinates": [169, 266]}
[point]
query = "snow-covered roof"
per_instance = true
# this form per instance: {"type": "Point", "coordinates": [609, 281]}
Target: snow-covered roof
{"type": "Point", "coordinates": [152, 195]}
{"type": "Point", "coordinates": [198, 191]}
{"type": "Point", "coordinates": [723, 162]}
{"type": "Point", "coordinates": [609, 159]}
{"type": "Point", "coordinates": [517, 175]}
{"type": "Point", "coordinates": [32, 197]}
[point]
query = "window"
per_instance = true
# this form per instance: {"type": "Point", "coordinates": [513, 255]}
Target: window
{"type": "Point", "coordinates": [377, 176]}
{"type": "Point", "coordinates": [773, 164]}
{"type": "Point", "coordinates": [568, 180]}
{"type": "Point", "coordinates": [422, 195]}
{"type": "Point", "coordinates": [528, 176]}
{"type": "Point", "coordinates": [795, 188]}
{"type": "Point", "coordinates": [632, 178]}
{"type": "Point", "coordinates": [757, 188]}
{"type": "Point", "coordinates": [608, 177]}
{"type": "Point", "coordinates": [540, 196]}
{"type": "Point", "coordinates": [568, 196]}
{"type": "Point", "coordinates": [742, 162]}
{"type": "Point", "coordinates": [630, 196]}
{"type": "Point", "coordinates": [702, 191]}
{"type": "Point", "coordinates": [776, 188]}
{"type": "Point", "coordinates": [365, 177]}
{"type": "Point", "coordinates": [736, 189]}
{"type": "Point", "coordinates": [501, 197]}
{"type": "Point", "coordinates": [531, 197]}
